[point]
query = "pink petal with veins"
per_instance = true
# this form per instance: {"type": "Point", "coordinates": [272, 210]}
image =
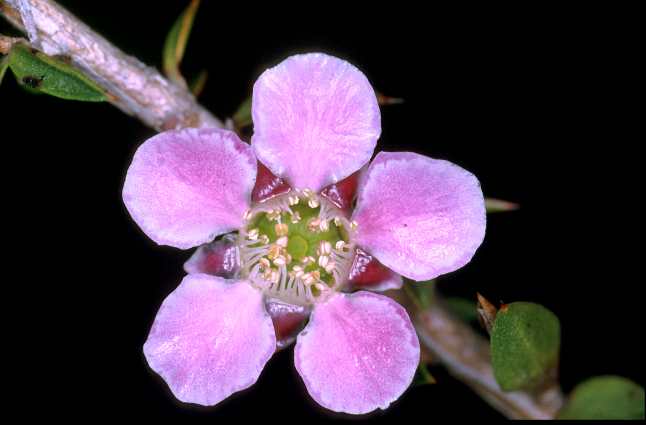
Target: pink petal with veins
{"type": "Point", "coordinates": [185, 187]}
{"type": "Point", "coordinates": [420, 217]}
{"type": "Point", "coordinates": [358, 353]}
{"type": "Point", "coordinates": [210, 339]}
{"type": "Point", "coordinates": [316, 120]}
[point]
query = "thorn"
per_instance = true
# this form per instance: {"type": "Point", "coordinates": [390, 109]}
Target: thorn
{"type": "Point", "coordinates": [486, 312]}
{"type": "Point", "coordinates": [384, 100]}
{"type": "Point", "coordinates": [494, 205]}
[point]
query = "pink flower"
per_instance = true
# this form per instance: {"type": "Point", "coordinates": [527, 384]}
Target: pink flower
{"type": "Point", "coordinates": [299, 249]}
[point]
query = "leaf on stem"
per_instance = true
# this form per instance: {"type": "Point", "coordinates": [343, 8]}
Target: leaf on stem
{"type": "Point", "coordinates": [242, 117]}
{"type": "Point", "coordinates": [40, 73]}
{"type": "Point", "coordinates": [494, 205]}
{"type": "Point", "coordinates": [525, 342]}
{"type": "Point", "coordinates": [175, 44]}
{"type": "Point", "coordinates": [423, 376]}
{"type": "Point", "coordinates": [462, 308]}
{"type": "Point", "coordinates": [4, 64]}
{"type": "Point", "coordinates": [605, 397]}
{"type": "Point", "coordinates": [198, 83]}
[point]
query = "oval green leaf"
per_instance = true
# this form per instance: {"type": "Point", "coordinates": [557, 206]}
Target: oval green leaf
{"type": "Point", "coordinates": [605, 397]}
{"type": "Point", "coordinates": [40, 73]}
{"type": "Point", "coordinates": [525, 342]}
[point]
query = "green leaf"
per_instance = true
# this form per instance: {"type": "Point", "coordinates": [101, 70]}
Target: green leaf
{"type": "Point", "coordinates": [423, 376]}
{"type": "Point", "coordinates": [462, 308]}
{"type": "Point", "coordinates": [605, 397]}
{"type": "Point", "coordinates": [525, 341]}
{"type": "Point", "coordinates": [40, 73]}
{"type": "Point", "coordinates": [420, 293]}
{"type": "Point", "coordinates": [4, 64]}
{"type": "Point", "coordinates": [176, 40]}
{"type": "Point", "coordinates": [493, 205]}
{"type": "Point", "coordinates": [242, 117]}
{"type": "Point", "coordinates": [198, 83]}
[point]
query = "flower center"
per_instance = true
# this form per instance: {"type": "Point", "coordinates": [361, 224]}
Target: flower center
{"type": "Point", "coordinates": [296, 247]}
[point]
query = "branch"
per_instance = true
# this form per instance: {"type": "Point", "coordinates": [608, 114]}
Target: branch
{"type": "Point", "coordinates": [135, 88]}
{"type": "Point", "coordinates": [466, 356]}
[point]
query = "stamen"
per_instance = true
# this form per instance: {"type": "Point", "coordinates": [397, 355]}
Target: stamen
{"type": "Point", "coordinates": [282, 241]}
{"type": "Point", "coordinates": [281, 229]}
{"type": "Point", "coordinates": [324, 260]}
{"type": "Point", "coordinates": [253, 234]}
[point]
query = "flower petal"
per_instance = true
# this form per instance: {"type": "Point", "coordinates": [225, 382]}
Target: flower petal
{"type": "Point", "coordinates": [211, 338]}
{"type": "Point", "coordinates": [358, 353]}
{"type": "Point", "coordinates": [420, 217]}
{"type": "Point", "coordinates": [314, 106]}
{"type": "Point", "coordinates": [368, 273]}
{"type": "Point", "coordinates": [218, 258]}
{"type": "Point", "coordinates": [185, 187]}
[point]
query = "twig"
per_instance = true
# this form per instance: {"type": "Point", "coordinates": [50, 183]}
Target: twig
{"type": "Point", "coordinates": [134, 88]}
{"type": "Point", "coordinates": [466, 356]}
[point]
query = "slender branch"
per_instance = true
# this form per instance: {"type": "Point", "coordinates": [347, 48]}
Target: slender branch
{"type": "Point", "coordinates": [133, 87]}
{"type": "Point", "coordinates": [466, 356]}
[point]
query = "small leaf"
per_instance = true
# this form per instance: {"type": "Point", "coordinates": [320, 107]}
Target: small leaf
{"type": "Point", "coordinates": [462, 308]}
{"type": "Point", "coordinates": [423, 376]}
{"type": "Point", "coordinates": [198, 83]}
{"type": "Point", "coordinates": [4, 64]}
{"type": "Point", "coordinates": [525, 341]}
{"type": "Point", "coordinates": [176, 40]}
{"type": "Point", "coordinates": [40, 73]}
{"type": "Point", "coordinates": [494, 205]}
{"type": "Point", "coordinates": [242, 117]}
{"type": "Point", "coordinates": [420, 293]}
{"type": "Point", "coordinates": [605, 397]}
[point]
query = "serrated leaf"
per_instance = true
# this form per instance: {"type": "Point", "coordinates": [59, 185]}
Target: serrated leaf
{"type": "Point", "coordinates": [423, 376]}
{"type": "Point", "coordinates": [176, 40]}
{"type": "Point", "coordinates": [462, 308]}
{"type": "Point", "coordinates": [4, 64]}
{"type": "Point", "coordinates": [40, 73]}
{"type": "Point", "coordinates": [525, 342]}
{"type": "Point", "coordinates": [493, 205]}
{"type": "Point", "coordinates": [605, 397]}
{"type": "Point", "coordinates": [242, 117]}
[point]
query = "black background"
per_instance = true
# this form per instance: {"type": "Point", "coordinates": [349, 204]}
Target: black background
{"type": "Point", "coordinates": [537, 103]}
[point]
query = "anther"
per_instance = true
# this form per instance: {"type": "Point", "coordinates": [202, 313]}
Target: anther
{"type": "Point", "coordinates": [339, 245]}
{"type": "Point", "coordinates": [324, 226]}
{"type": "Point", "coordinates": [273, 215]}
{"type": "Point", "coordinates": [314, 224]}
{"type": "Point", "coordinates": [323, 260]}
{"type": "Point", "coordinates": [274, 251]}
{"type": "Point", "coordinates": [264, 239]}
{"type": "Point", "coordinates": [324, 248]}
{"type": "Point", "coordinates": [313, 203]}
{"type": "Point", "coordinates": [252, 235]}
{"type": "Point", "coordinates": [329, 268]}
{"type": "Point", "coordinates": [337, 221]}
{"type": "Point", "coordinates": [296, 217]}
{"type": "Point", "coordinates": [282, 241]}
{"type": "Point", "coordinates": [264, 263]}
{"type": "Point", "coordinates": [247, 215]}
{"type": "Point", "coordinates": [293, 200]}
{"type": "Point", "coordinates": [307, 193]}
{"type": "Point", "coordinates": [281, 229]}
{"type": "Point", "coordinates": [280, 261]}
{"type": "Point", "coordinates": [353, 225]}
